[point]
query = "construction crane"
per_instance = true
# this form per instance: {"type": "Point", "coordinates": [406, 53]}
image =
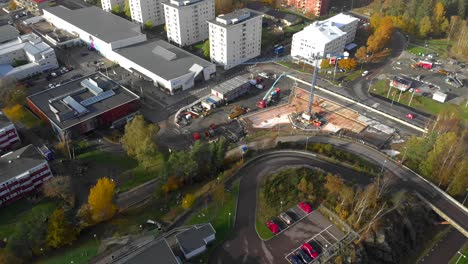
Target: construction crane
{"type": "Point", "coordinates": [272, 94]}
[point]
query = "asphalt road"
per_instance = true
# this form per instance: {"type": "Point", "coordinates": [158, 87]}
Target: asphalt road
{"type": "Point", "coordinates": [449, 244]}
{"type": "Point", "coordinates": [246, 247]}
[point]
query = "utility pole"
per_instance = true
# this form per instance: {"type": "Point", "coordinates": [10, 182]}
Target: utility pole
{"type": "Point", "coordinates": [312, 88]}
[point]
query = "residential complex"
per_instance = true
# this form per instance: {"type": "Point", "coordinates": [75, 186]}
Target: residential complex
{"type": "Point", "coordinates": [35, 6]}
{"type": "Point", "coordinates": [235, 37]}
{"type": "Point", "coordinates": [21, 173]}
{"type": "Point", "coordinates": [108, 4]}
{"type": "Point", "coordinates": [186, 20]}
{"type": "Point", "coordinates": [8, 33]}
{"type": "Point", "coordinates": [143, 11]}
{"type": "Point", "coordinates": [85, 104]}
{"type": "Point", "coordinates": [328, 37]}
{"type": "Point", "coordinates": [8, 134]}
{"type": "Point", "coordinates": [317, 7]}
{"type": "Point", "coordinates": [121, 41]}
{"type": "Point", "coordinates": [26, 56]}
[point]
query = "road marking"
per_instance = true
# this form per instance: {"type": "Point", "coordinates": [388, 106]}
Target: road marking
{"type": "Point", "coordinates": [307, 241]}
{"type": "Point", "coordinates": [332, 235]}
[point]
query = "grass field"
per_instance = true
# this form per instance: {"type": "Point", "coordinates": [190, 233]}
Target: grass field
{"type": "Point", "coordinates": [80, 253]}
{"type": "Point", "coordinates": [438, 46]}
{"type": "Point", "coordinates": [459, 259]}
{"type": "Point", "coordinates": [20, 211]}
{"type": "Point", "coordinates": [221, 215]}
{"type": "Point", "coordinates": [419, 102]}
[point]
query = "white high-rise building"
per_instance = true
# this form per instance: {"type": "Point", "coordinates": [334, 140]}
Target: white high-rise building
{"type": "Point", "coordinates": [328, 37]}
{"type": "Point", "coordinates": [108, 4]}
{"type": "Point", "coordinates": [186, 20]}
{"type": "Point", "coordinates": [235, 37]}
{"type": "Point", "coordinates": [147, 10]}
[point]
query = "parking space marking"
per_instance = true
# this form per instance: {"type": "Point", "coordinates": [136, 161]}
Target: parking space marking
{"type": "Point", "coordinates": [313, 238]}
{"type": "Point", "coordinates": [330, 233]}
{"type": "Point", "coordinates": [325, 239]}
{"type": "Point", "coordinates": [289, 226]}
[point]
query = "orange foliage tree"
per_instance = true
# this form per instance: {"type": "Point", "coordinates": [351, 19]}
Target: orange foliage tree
{"type": "Point", "coordinates": [100, 200]}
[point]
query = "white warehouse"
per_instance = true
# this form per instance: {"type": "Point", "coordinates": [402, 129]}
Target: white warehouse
{"type": "Point", "coordinates": [121, 41]}
{"type": "Point", "coordinates": [186, 20]}
{"type": "Point", "coordinates": [324, 37]}
{"type": "Point", "coordinates": [26, 56]}
{"type": "Point", "coordinates": [235, 37]}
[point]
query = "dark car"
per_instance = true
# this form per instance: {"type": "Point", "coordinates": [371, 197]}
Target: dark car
{"type": "Point", "coordinates": [303, 256]}
{"type": "Point", "coordinates": [296, 260]}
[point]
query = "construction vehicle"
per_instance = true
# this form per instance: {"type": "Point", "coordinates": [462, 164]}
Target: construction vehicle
{"type": "Point", "coordinates": [238, 111]}
{"type": "Point", "coordinates": [423, 64]}
{"type": "Point", "coordinates": [272, 95]}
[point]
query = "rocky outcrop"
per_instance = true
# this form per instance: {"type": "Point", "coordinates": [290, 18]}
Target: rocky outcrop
{"type": "Point", "coordinates": [396, 237]}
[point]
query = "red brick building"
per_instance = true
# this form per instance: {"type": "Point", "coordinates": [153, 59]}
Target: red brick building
{"type": "Point", "coordinates": [22, 172]}
{"type": "Point", "coordinates": [8, 134]}
{"type": "Point", "coordinates": [317, 7]}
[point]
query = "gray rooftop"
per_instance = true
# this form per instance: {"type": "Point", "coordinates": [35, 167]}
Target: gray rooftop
{"type": "Point", "coordinates": [4, 121]}
{"type": "Point", "coordinates": [234, 18]}
{"type": "Point", "coordinates": [193, 238]}
{"type": "Point", "coordinates": [230, 84]}
{"type": "Point", "coordinates": [162, 58]}
{"type": "Point", "coordinates": [16, 162]}
{"type": "Point", "coordinates": [183, 3]}
{"type": "Point", "coordinates": [7, 33]}
{"type": "Point", "coordinates": [79, 100]}
{"type": "Point", "coordinates": [159, 252]}
{"type": "Point", "coordinates": [103, 25]}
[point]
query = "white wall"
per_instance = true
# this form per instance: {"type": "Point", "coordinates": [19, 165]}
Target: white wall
{"type": "Point", "coordinates": [108, 4]}
{"type": "Point", "coordinates": [144, 10]}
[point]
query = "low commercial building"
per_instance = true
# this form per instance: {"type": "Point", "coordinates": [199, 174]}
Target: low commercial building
{"type": "Point", "coordinates": [231, 89]}
{"type": "Point", "coordinates": [8, 33]}
{"type": "Point", "coordinates": [316, 7]}
{"type": "Point", "coordinates": [8, 134]}
{"type": "Point", "coordinates": [55, 36]}
{"type": "Point", "coordinates": [193, 241]}
{"type": "Point", "coordinates": [401, 83]}
{"type": "Point", "coordinates": [186, 20]}
{"type": "Point", "coordinates": [22, 172]}
{"type": "Point", "coordinates": [35, 6]}
{"type": "Point", "coordinates": [328, 37]}
{"type": "Point", "coordinates": [158, 251]}
{"type": "Point", "coordinates": [85, 104]}
{"type": "Point", "coordinates": [121, 41]}
{"type": "Point", "coordinates": [235, 37]}
{"type": "Point", "coordinates": [143, 11]}
{"type": "Point", "coordinates": [26, 56]}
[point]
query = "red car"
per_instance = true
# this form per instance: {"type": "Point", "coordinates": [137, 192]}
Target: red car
{"type": "Point", "coordinates": [305, 207]}
{"type": "Point", "coordinates": [410, 116]}
{"type": "Point", "coordinates": [309, 250]}
{"type": "Point", "coordinates": [273, 227]}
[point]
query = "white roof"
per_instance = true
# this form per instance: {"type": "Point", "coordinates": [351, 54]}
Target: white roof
{"type": "Point", "coordinates": [325, 33]}
{"type": "Point", "coordinates": [340, 20]}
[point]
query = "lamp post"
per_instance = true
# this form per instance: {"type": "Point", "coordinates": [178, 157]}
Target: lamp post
{"type": "Point", "coordinates": [281, 202]}
{"type": "Point", "coordinates": [229, 220]}
{"type": "Point", "coordinates": [307, 143]}
{"type": "Point", "coordinates": [464, 200]}
{"type": "Point", "coordinates": [461, 255]}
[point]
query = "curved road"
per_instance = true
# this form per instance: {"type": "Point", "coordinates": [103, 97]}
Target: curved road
{"type": "Point", "coordinates": [246, 247]}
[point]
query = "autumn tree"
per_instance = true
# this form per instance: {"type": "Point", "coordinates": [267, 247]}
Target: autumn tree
{"type": "Point", "coordinates": [381, 36]}
{"type": "Point", "coordinates": [375, 20]}
{"type": "Point", "coordinates": [116, 9]}
{"type": "Point", "coordinates": [324, 64]}
{"type": "Point", "coordinates": [126, 9]}
{"type": "Point", "coordinates": [138, 140]}
{"type": "Point", "coordinates": [348, 64]}
{"type": "Point", "coordinates": [206, 48]}
{"type": "Point", "coordinates": [60, 187]}
{"type": "Point", "coordinates": [12, 5]}
{"type": "Point", "coordinates": [425, 27]}
{"type": "Point", "coordinates": [100, 200]}
{"type": "Point", "coordinates": [148, 24]}
{"type": "Point", "coordinates": [188, 201]}
{"type": "Point", "coordinates": [441, 23]}
{"type": "Point", "coordinates": [361, 54]}
{"type": "Point", "coordinates": [224, 6]}
{"type": "Point", "coordinates": [15, 113]}
{"type": "Point", "coordinates": [60, 231]}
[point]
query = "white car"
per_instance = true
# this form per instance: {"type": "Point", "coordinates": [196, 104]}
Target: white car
{"type": "Point", "coordinates": [365, 73]}
{"type": "Point", "coordinates": [285, 217]}
{"type": "Point", "coordinates": [264, 75]}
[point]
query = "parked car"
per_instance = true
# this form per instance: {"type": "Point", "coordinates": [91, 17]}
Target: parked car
{"type": "Point", "coordinates": [285, 217]}
{"type": "Point", "coordinates": [296, 260]}
{"type": "Point", "coordinates": [305, 207]}
{"type": "Point", "coordinates": [303, 256]}
{"type": "Point", "coordinates": [309, 250]}
{"type": "Point", "coordinates": [274, 228]}
{"type": "Point", "coordinates": [365, 73]}
{"type": "Point", "coordinates": [410, 116]}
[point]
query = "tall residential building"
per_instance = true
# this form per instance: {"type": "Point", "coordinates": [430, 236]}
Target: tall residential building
{"type": "Point", "coordinates": [108, 4]}
{"type": "Point", "coordinates": [147, 10]}
{"type": "Point", "coordinates": [317, 7]}
{"type": "Point", "coordinates": [186, 20]}
{"type": "Point", "coordinates": [8, 134]}
{"type": "Point", "coordinates": [22, 172]}
{"type": "Point", "coordinates": [235, 37]}
{"type": "Point", "coordinates": [324, 37]}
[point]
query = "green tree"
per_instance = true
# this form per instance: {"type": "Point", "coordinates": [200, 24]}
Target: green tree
{"type": "Point", "coordinates": [201, 153]}
{"type": "Point", "coordinates": [459, 182]}
{"type": "Point", "coordinates": [302, 186]}
{"type": "Point", "coordinates": [218, 153]}
{"type": "Point", "coordinates": [461, 8]}
{"type": "Point", "coordinates": [126, 9]}
{"type": "Point", "coordinates": [60, 231]}
{"type": "Point", "coordinates": [138, 140]}
{"type": "Point", "coordinates": [206, 48]}
{"type": "Point", "coordinates": [181, 164]}
{"type": "Point", "coordinates": [116, 9]}
{"type": "Point", "coordinates": [425, 27]}
{"type": "Point", "coordinates": [148, 24]}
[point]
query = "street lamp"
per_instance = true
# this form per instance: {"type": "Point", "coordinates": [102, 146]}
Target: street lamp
{"type": "Point", "coordinates": [464, 200]}
{"type": "Point", "coordinates": [461, 255]}
{"type": "Point", "coordinates": [281, 202]}
{"type": "Point", "coordinates": [307, 143]}
{"type": "Point", "coordinates": [383, 165]}
{"type": "Point", "coordinates": [229, 220]}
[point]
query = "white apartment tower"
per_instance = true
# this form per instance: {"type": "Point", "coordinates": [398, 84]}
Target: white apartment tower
{"type": "Point", "coordinates": [186, 20]}
{"type": "Point", "coordinates": [147, 10]}
{"type": "Point", "coordinates": [108, 4]}
{"type": "Point", "coordinates": [235, 37]}
{"type": "Point", "coordinates": [328, 37]}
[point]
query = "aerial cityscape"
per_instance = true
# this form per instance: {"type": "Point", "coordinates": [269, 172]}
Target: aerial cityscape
{"type": "Point", "coordinates": [233, 131]}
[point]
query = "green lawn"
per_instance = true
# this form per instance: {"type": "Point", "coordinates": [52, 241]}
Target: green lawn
{"type": "Point", "coordinates": [293, 29]}
{"type": "Point", "coordinates": [218, 215]}
{"type": "Point", "coordinates": [459, 258]}
{"type": "Point", "coordinates": [20, 211]}
{"type": "Point", "coordinates": [80, 252]}
{"type": "Point", "coordinates": [433, 46]}
{"type": "Point", "coordinates": [419, 102]}
{"type": "Point", "coordinates": [29, 120]}
{"type": "Point", "coordinates": [262, 230]}
{"type": "Point", "coordinates": [106, 158]}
